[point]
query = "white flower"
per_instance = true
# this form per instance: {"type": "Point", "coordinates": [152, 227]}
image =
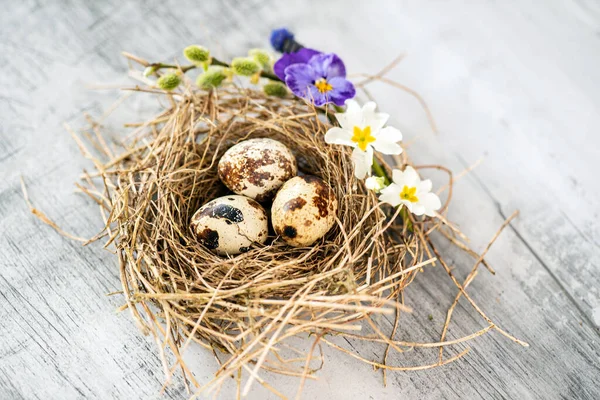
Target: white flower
{"type": "Point", "coordinates": [409, 190]}
{"type": "Point", "coordinates": [362, 128]}
{"type": "Point", "coordinates": [375, 183]}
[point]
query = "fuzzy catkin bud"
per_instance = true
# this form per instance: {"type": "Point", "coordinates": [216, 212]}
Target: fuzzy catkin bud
{"type": "Point", "coordinates": [149, 70]}
{"type": "Point", "coordinates": [244, 66]}
{"type": "Point", "coordinates": [262, 57]}
{"type": "Point", "coordinates": [211, 79]}
{"type": "Point", "coordinates": [168, 82]}
{"type": "Point", "coordinates": [196, 54]}
{"type": "Point", "coordinates": [275, 89]}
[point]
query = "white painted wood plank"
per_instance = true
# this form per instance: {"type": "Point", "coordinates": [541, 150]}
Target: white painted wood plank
{"type": "Point", "coordinates": [515, 81]}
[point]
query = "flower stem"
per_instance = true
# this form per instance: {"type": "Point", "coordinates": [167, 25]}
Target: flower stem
{"type": "Point", "coordinates": [406, 218]}
{"type": "Point", "coordinates": [213, 61]}
{"type": "Point", "coordinates": [380, 171]}
{"type": "Point", "coordinates": [330, 117]}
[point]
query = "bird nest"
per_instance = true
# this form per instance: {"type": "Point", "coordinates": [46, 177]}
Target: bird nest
{"type": "Point", "coordinates": [246, 308]}
{"type": "Point", "coordinates": [245, 305]}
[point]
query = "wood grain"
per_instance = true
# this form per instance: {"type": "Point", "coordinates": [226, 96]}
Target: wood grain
{"type": "Point", "coordinates": [514, 82]}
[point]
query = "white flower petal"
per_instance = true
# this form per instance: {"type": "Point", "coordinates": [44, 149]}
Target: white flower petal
{"type": "Point", "coordinates": [352, 106]}
{"type": "Point", "coordinates": [411, 178]}
{"type": "Point", "coordinates": [424, 187]}
{"type": "Point", "coordinates": [386, 147]}
{"type": "Point", "coordinates": [408, 204]}
{"type": "Point", "coordinates": [392, 188]}
{"type": "Point", "coordinates": [339, 136]}
{"type": "Point", "coordinates": [386, 141]}
{"type": "Point", "coordinates": [352, 120]}
{"type": "Point", "coordinates": [351, 117]}
{"type": "Point", "coordinates": [342, 120]}
{"type": "Point", "coordinates": [357, 116]}
{"type": "Point", "coordinates": [369, 107]}
{"type": "Point", "coordinates": [391, 195]}
{"type": "Point", "coordinates": [397, 176]}
{"type": "Point", "coordinates": [418, 209]}
{"type": "Point", "coordinates": [431, 202]}
{"type": "Point", "coordinates": [390, 134]}
{"type": "Point", "coordinates": [348, 120]}
{"type": "Point", "coordinates": [363, 160]}
{"type": "Point", "coordinates": [370, 118]}
{"type": "Point", "coordinates": [379, 120]}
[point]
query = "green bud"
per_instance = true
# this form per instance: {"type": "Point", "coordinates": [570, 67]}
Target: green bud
{"type": "Point", "coordinates": [211, 79]}
{"type": "Point", "coordinates": [196, 54]}
{"type": "Point", "coordinates": [244, 66]}
{"type": "Point", "coordinates": [262, 57]}
{"type": "Point", "coordinates": [168, 82]}
{"type": "Point", "coordinates": [275, 89]}
{"type": "Point", "coordinates": [375, 183]}
{"type": "Point", "coordinates": [149, 70]}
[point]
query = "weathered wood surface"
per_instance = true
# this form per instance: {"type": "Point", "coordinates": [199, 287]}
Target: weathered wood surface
{"type": "Point", "coordinates": [515, 82]}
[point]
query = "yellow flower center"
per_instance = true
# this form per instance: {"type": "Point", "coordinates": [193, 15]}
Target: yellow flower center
{"type": "Point", "coordinates": [323, 86]}
{"type": "Point", "coordinates": [362, 137]}
{"type": "Point", "coordinates": [409, 194]}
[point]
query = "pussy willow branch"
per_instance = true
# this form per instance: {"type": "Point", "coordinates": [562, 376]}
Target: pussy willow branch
{"type": "Point", "coordinates": [377, 168]}
{"type": "Point", "coordinates": [213, 61]}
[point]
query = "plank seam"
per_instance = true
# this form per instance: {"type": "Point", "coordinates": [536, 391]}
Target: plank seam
{"type": "Point", "coordinates": [570, 297]}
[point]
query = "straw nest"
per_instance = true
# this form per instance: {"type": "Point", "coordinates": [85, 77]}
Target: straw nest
{"type": "Point", "coordinates": [245, 305]}
{"type": "Point", "coordinates": [246, 308]}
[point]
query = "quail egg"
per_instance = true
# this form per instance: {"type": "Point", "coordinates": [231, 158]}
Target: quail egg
{"type": "Point", "coordinates": [230, 224]}
{"type": "Point", "coordinates": [303, 210]}
{"type": "Point", "coordinates": [256, 168]}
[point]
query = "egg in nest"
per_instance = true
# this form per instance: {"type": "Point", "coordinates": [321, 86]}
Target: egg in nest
{"type": "Point", "coordinates": [230, 224]}
{"type": "Point", "coordinates": [303, 210]}
{"type": "Point", "coordinates": [257, 168]}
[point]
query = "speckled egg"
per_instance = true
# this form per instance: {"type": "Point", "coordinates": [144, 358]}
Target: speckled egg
{"type": "Point", "coordinates": [303, 210]}
{"type": "Point", "coordinates": [257, 168]}
{"type": "Point", "coordinates": [230, 224]}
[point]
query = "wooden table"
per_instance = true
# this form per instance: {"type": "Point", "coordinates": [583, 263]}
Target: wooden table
{"type": "Point", "coordinates": [517, 83]}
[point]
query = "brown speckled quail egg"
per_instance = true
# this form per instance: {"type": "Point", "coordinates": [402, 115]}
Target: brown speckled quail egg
{"type": "Point", "coordinates": [303, 210]}
{"type": "Point", "coordinates": [257, 168]}
{"type": "Point", "coordinates": [230, 224]}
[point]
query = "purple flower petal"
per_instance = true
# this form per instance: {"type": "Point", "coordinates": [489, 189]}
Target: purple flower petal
{"type": "Point", "coordinates": [328, 66]}
{"type": "Point", "coordinates": [299, 78]}
{"type": "Point", "coordinates": [300, 57]}
{"type": "Point", "coordinates": [342, 90]}
{"type": "Point", "coordinates": [316, 97]}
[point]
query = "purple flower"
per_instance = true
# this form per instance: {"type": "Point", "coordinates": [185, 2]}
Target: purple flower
{"type": "Point", "coordinates": [279, 37]}
{"type": "Point", "coordinates": [300, 57]}
{"type": "Point", "coordinates": [321, 79]}
{"type": "Point", "coordinates": [283, 41]}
